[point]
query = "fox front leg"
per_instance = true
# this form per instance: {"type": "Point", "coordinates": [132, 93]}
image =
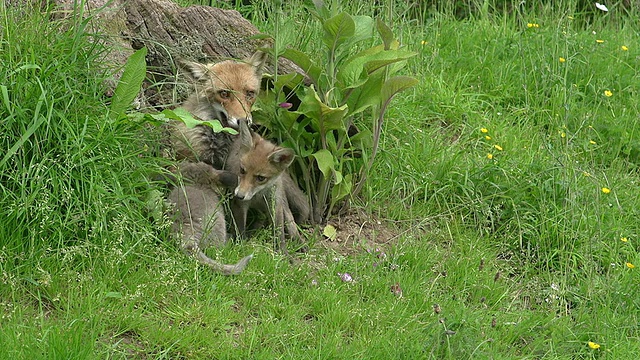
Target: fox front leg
{"type": "Point", "coordinates": [239, 212]}
{"type": "Point", "coordinates": [278, 227]}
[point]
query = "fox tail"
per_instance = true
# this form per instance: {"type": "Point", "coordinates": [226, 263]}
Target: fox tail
{"type": "Point", "coordinates": [224, 269]}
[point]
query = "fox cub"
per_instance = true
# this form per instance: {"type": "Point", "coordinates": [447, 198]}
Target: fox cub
{"type": "Point", "coordinates": [224, 91]}
{"type": "Point", "coordinates": [199, 214]}
{"type": "Point", "coordinates": [263, 180]}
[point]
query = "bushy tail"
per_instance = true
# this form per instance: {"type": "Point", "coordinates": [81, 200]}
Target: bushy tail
{"type": "Point", "coordinates": [191, 248]}
{"type": "Point", "coordinates": [223, 268]}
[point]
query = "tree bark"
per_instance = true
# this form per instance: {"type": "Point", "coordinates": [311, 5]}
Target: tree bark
{"type": "Point", "coordinates": [198, 33]}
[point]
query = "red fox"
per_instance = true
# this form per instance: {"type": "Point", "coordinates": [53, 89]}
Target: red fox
{"type": "Point", "coordinates": [263, 180]}
{"type": "Point", "coordinates": [199, 216]}
{"type": "Point", "coordinates": [224, 91]}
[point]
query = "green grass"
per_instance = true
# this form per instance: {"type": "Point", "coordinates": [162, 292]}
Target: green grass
{"type": "Point", "coordinates": [518, 256]}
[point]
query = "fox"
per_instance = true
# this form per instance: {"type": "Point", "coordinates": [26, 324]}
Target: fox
{"type": "Point", "coordinates": [263, 180]}
{"type": "Point", "coordinates": [199, 219]}
{"type": "Point", "coordinates": [225, 91]}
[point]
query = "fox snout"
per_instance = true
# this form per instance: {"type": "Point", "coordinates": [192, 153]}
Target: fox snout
{"type": "Point", "coordinates": [234, 122]}
{"type": "Point", "coordinates": [236, 109]}
{"type": "Point", "coordinates": [231, 112]}
{"type": "Point", "coordinates": [243, 194]}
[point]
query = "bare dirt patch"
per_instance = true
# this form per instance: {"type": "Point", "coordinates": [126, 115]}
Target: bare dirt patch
{"type": "Point", "coordinates": [357, 231]}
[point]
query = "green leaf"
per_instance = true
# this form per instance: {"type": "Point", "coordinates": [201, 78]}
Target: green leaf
{"type": "Point", "coordinates": [363, 29]}
{"type": "Point", "coordinates": [362, 140]}
{"type": "Point", "coordinates": [183, 115]}
{"type": "Point", "coordinates": [291, 81]}
{"type": "Point", "coordinates": [395, 85]}
{"type": "Point", "coordinates": [326, 117]}
{"type": "Point", "coordinates": [342, 189]}
{"type": "Point", "coordinates": [355, 72]}
{"type": "Point", "coordinates": [352, 74]}
{"type": "Point", "coordinates": [154, 205]}
{"type": "Point", "coordinates": [338, 175]}
{"type": "Point", "coordinates": [385, 33]}
{"type": "Point", "coordinates": [386, 58]}
{"type": "Point", "coordinates": [367, 95]}
{"type": "Point", "coordinates": [337, 30]}
{"type": "Point", "coordinates": [130, 82]}
{"type": "Point", "coordinates": [325, 162]}
{"type": "Point", "coordinates": [330, 232]}
{"type": "Point", "coordinates": [304, 62]}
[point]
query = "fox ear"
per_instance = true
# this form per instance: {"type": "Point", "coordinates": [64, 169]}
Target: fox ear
{"type": "Point", "coordinates": [246, 139]}
{"type": "Point", "coordinates": [195, 70]}
{"type": "Point", "coordinates": [282, 157]}
{"type": "Point", "coordinates": [257, 60]}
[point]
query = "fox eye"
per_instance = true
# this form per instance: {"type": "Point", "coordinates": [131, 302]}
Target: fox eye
{"type": "Point", "coordinates": [242, 171]}
{"type": "Point", "coordinates": [225, 94]}
{"type": "Point", "coordinates": [250, 95]}
{"type": "Point", "coordinates": [260, 178]}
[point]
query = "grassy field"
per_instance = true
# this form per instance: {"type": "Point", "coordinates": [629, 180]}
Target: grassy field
{"type": "Point", "coordinates": [501, 217]}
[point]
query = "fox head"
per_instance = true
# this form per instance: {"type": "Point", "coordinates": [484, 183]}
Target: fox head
{"type": "Point", "coordinates": [227, 89]}
{"type": "Point", "coordinates": [261, 163]}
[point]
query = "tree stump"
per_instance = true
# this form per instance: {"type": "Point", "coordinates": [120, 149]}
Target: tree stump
{"type": "Point", "coordinates": [169, 31]}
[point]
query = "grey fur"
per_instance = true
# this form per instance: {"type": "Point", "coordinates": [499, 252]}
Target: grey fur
{"type": "Point", "coordinates": [199, 216]}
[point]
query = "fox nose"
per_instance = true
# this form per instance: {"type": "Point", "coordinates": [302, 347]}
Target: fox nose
{"type": "Point", "coordinates": [235, 122]}
{"type": "Point", "coordinates": [239, 194]}
{"type": "Point", "coordinates": [243, 195]}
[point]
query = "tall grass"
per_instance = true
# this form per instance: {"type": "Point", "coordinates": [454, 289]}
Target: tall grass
{"type": "Point", "coordinates": [73, 185]}
{"type": "Point", "coordinates": [521, 255]}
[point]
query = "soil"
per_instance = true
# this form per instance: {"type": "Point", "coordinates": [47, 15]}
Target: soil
{"type": "Point", "coordinates": [358, 231]}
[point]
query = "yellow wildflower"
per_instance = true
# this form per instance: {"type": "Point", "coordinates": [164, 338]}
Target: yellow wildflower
{"type": "Point", "coordinates": [532, 25]}
{"type": "Point", "coordinates": [424, 42]}
{"type": "Point", "coordinates": [498, 147]}
{"type": "Point", "coordinates": [487, 137]}
{"type": "Point", "coordinates": [592, 142]}
{"type": "Point", "coordinates": [599, 41]}
{"type": "Point", "coordinates": [562, 134]}
{"type": "Point", "coordinates": [606, 190]}
{"type": "Point", "coordinates": [586, 174]}
{"type": "Point", "coordinates": [624, 48]}
{"type": "Point", "coordinates": [489, 156]}
{"type": "Point", "coordinates": [624, 239]}
{"type": "Point", "coordinates": [630, 265]}
{"type": "Point", "coordinates": [593, 345]}
{"type": "Point", "coordinates": [608, 93]}
{"type": "Point", "coordinates": [562, 59]}
{"type": "Point", "coordinates": [484, 130]}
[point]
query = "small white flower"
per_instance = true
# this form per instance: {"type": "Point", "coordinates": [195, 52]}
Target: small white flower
{"type": "Point", "coordinates": [602, 7]}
